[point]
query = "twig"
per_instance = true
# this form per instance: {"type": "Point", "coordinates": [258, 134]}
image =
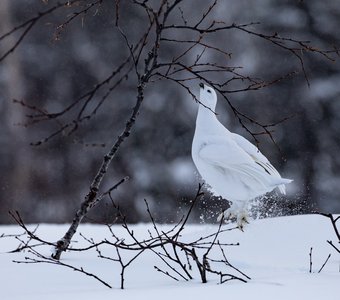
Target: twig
{"type": "Point", "coordinates": [90, 201]}
{"type": "Point", "coordinates": [28, 25]}
{"type": "Point", "coordinates": [75, 15]}
{"type": "Point", "coordinates": [48, 260]}
{"type": "Point", "coordinates": [333, 221]}
{"type": "Point", "coordinates": [329, 255]}
{"type": "Point", "coordinates": [334, 247]}
{"type": "Point", "coordinates": [165, 273]}
{"type": "Point", "coordinates": [230, 265]}
{"type": "Point", "coordinates": [177, 255]}
{"type": "Point", "coordinates": [310, 260]}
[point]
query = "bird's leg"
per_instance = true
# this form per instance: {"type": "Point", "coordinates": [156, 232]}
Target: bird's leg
{"type": "Point", "coordinates": [238, 212]}
{"type": "Point", "coordinates": [242, 219]}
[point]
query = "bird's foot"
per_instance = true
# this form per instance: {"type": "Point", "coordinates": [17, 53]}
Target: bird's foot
{"type": "Point", "coordinates": [231, 214]}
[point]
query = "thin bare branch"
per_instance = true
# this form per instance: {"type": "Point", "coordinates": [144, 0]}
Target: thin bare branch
{"type": "Point", "coordinates": [28, 25]}
{"type": "Point", "coordinates": [323, 265]}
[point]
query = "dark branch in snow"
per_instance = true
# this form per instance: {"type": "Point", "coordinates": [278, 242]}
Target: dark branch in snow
{"type": "Point", "coordinates": [334, 221]}
{"type": "Point", "coordinates": [334, 247]}
{"type": "Point", "coordinates": [310, 260]}
{"type": "Point", "coordinates": [177, 254]}
{"type": "Point", "coordinates": [40, 258]}
{"type": "Point", "coordinates": [328, 257]}
{"type": "Point", "coordinates": [90, 201]}
{"type": "Point", "coordinates": [336, 230]}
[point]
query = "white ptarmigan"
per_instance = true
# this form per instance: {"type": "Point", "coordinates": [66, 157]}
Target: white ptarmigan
{"type": "Point", "coordinates": [233, 167]}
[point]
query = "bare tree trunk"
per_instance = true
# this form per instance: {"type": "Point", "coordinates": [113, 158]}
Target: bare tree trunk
{"type": "Point", "coordinates": [92, 198]}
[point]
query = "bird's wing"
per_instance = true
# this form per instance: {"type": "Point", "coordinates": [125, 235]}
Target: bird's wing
{"type": "Point", "coordinates": [224, 153]}
{"type": "Point", "coordinates": [258, 157]}
{"type": "Point", "coordinates": [227, 156]}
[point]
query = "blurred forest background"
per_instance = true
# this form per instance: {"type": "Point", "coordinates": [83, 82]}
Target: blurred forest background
{"type": "Point", "coordinates": [47, 183]}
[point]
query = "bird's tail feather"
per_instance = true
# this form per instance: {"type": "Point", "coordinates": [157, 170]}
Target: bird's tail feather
{"type": "Point", "coordinates": [282, 186]}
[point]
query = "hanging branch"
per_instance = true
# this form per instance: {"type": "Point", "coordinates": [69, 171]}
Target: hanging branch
{"type": "Point", "coordinates": [29, 24]}
{"type": "Point", "coordinates": [80, 13]}
{"type": "Point", "coordinates": [294, 46]}
{"type": "Point", "coordinates": [164, 33]}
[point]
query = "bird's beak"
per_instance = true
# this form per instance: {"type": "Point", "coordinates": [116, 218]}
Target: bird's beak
{"type": "Point", "coordinates": [201, 85]}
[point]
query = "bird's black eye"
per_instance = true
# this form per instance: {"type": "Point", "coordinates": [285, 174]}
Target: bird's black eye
{"type": "Point", "coordinates": [209, 91]}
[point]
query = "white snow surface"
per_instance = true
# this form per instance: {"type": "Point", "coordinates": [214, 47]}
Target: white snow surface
{"type": "Point", "coordinates": [274, 252]}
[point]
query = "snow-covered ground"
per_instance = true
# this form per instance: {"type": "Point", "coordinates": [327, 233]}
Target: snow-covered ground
{"type": "Point", "coordinates": [274, 252]}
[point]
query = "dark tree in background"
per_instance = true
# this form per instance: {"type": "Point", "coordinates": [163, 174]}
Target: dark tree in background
{"type": "Point", "coordinates": [55, 133]}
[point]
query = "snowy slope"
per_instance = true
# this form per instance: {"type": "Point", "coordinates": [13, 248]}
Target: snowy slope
{"type": "Point", "coordinates": [273, 252]}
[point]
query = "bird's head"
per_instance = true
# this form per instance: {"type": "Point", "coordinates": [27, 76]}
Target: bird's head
{"type": "Point", "coordinates": [208, 96]}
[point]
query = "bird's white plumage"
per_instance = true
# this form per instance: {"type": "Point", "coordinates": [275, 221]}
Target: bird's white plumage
{"type": "Point", "coordinates": [233, 167]}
